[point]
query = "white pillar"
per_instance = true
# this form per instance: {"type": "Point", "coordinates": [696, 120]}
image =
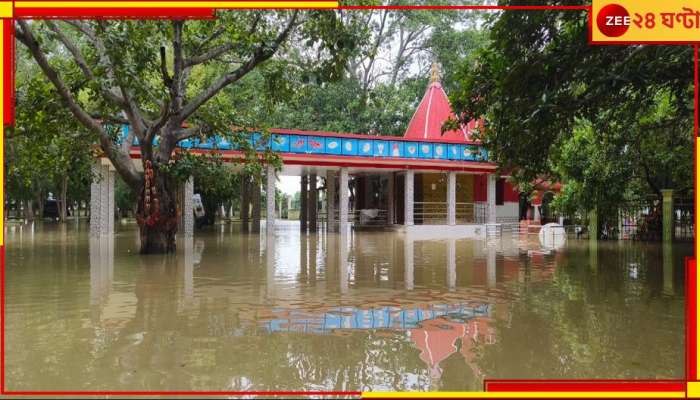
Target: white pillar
{"type": "Point", "coordinates": [111, 204]}
{"type": "Point", "coordinates": [330, 198]}
{"type": "Point", "coordinates": [390, 217]}
{"type": "Point", "coordinates": [270, 199]}
{"type": "Point", "coordinates": [187, 208]}
{"type": "Point", "coordinates": [95, 199]}
{"type": "Point", "coordinates": [408, 198]}
{"type": "Point", "coordinates": [491, 198]}
{"type": "Point", "coordinates": [451, 198]}
{"type": "Point", "coordinates": [344, 199]}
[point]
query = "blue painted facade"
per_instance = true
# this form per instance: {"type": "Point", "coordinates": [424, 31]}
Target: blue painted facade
{"type": "Point", "coordinates": [373, 318]}
{"type": "Point", "coordinates": [371, 147]}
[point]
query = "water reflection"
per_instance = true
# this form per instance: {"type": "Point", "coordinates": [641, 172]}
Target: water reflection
{"type": "Point", "coordinates": [349, 311]}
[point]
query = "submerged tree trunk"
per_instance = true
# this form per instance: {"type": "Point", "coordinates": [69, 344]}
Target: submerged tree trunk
{"type": "Point", "coordinates": [62, 200]}
{"type": "Point", "coordinates": [245, 201]}
{"type": "Point", "coordinates": [157, 212]}
{"type": "Point", "coordinates": [28, 210]}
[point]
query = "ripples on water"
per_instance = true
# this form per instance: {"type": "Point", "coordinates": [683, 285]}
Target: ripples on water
{"type": "Point", "coordinates": [364, 311]}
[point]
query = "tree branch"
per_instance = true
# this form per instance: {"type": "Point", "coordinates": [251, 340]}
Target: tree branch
{"type": "Point", "coordinates": [121, 161]}
{"type": "Point", "coordinates": [82, 64]}
{"type": "Point", "coordinates": [261, 54]}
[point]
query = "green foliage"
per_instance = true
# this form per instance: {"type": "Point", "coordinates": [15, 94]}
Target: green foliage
{"type": "Point", "coordinates": [46, 147]}
{"type": "Point", "coordinates": [609, 122]}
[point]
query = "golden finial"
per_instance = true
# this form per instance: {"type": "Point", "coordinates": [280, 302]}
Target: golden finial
{"type": "Point", "coordinates": [434, 73]}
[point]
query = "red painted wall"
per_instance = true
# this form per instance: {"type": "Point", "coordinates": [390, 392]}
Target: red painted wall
{"type": "Point", "coordinates": [480, 187]}
{"type": "Point", "coordinates": [510, 194]}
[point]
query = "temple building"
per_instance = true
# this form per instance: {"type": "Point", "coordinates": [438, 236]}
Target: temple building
{"type": "Point", "coordinates": [427, 181]}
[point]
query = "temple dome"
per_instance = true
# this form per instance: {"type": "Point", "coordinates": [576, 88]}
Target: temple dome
{"type": "Point", "coordinates": [432, 112]}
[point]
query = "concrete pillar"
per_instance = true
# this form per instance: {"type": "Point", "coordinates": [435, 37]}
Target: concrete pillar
{"type": "Point", "coordinates": [390, 211]}
{"type": "Point", "coordinates": [667, 216]}
{"type": "Point", "coordinates": [303, 203]}
{"type": "Point", "coordinates": [344, 200]}
{"type": "Point", "coordinates": [593, 224]}
{"type": "Point", "coordinates": [330, 199]}
{"type": "Point", "coordinates": [491, 198]}
{"type": "Point", "coordinates": [187, 207]}
{"type": "Point", "coordinates": [111, 203]}
{"type": "Point", "coordinates": [104, 200]}
{"type": "Point", "coordinates": [408, 197]}
{"type": "Point", "coordinates": [270, 200]}
{"type": "Point", "coordinates": [313, 203]}
{"type": "Point", "coordinates": [451, 198]}
{"type": "Point", "coordinates": [95, 199]}
{"type": "Point", "coordinates": [451, 264]}
{"type": "Point", "coordinates": [408, 262]}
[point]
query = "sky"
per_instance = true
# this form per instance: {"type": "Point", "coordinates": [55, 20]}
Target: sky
{"type": "Point", "coordinates": [289, 184]}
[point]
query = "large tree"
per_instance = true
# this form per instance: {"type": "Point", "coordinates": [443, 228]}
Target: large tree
{"type": "Point", "coordinates": [163, 77]}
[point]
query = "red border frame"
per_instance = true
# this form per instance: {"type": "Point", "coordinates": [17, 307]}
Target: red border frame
{"type": "Point", "coordinates": [595, 385]}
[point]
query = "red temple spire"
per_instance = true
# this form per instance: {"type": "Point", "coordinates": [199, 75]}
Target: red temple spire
{"type": "Point", "coordinates": [432, 112]}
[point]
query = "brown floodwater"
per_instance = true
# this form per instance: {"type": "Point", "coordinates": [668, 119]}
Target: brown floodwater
{"type": "Point", "coordinates": [362, 311]}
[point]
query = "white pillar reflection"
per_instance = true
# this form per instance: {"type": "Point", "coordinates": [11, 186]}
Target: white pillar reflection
{"type": "Point", "coordinates": [270, 266]}
{"type": "Point", "coordinates": [101, 268]}
{"type": "Point", "coordinates": [408, 261]}
{"type": "Point", "coordinates": [451, 264]}
{"type": "Point", "coordinates": [491, 266]}
{"type": "Point", "coordinates": [668, 269]}
{"type": "Point", "coordinates": [343, 260]}
{"type": "Point", "coordinates": [188, 270]}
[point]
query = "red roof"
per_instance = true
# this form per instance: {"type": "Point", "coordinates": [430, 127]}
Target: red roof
{"type": "Point", "coordinates": [432, 112]}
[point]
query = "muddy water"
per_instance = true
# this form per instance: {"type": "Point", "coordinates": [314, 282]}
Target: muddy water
{"type": "Point", "coordinates": [363, 311]}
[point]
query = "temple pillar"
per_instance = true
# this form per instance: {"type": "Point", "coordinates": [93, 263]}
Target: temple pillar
{"type": "Point", "coordinates": [96, 199]}
{"type": "Point", "coordinates": [390, 211]}
{"type": "Point", "coordinates": [491, 198]}
{"type": "Point", "coordinates": [451, 198]}
{"type": "Point", "coordinates": [344, 200]}
{"type": "Point", "coordinates": [187, 213]}
{"type": "Point", "coordinates": [303, 203]}
{"type": "Point", "coordinates": [408, 197]}
{"type": "Point", "coordinates": [270, 199]}
{"type": "Point", "coordinates": [111, 205]}
{"type": "Point", "coordinates": [330, 199]}
{"type": "Point", "coordinates": [102, 199]}
{"type": "Point", "coordinates": [667, 215]}
{"type": "Point", "coordinates": [313, 203]}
